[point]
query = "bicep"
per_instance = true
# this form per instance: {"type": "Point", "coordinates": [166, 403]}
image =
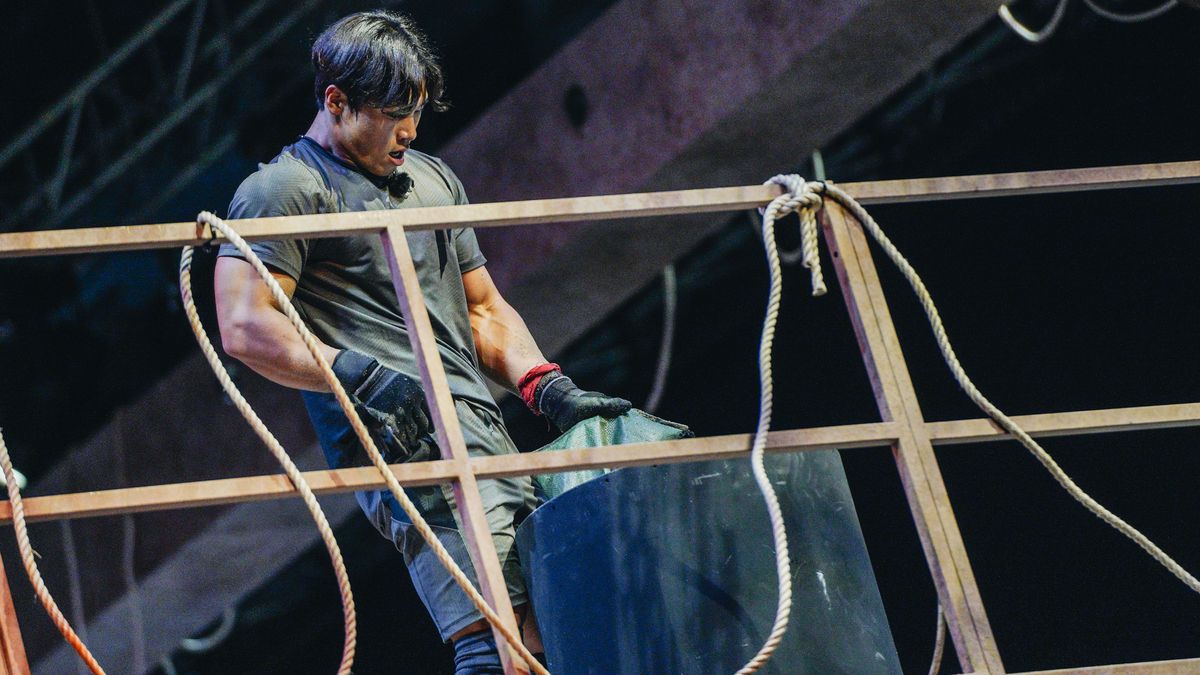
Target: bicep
{"type": "Point", "coordinates": [481, 291]}
{"type": "Point", "coordinates": [241, 293]}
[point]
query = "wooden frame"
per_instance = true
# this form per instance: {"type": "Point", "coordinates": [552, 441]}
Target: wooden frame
{"type": "Point", "coordinates": [913, 449]}
{"type": "Point", "coordinates": [903, 427]}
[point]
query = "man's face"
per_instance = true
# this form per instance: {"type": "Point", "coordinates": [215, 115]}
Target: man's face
{"type": "Point", "coordinates": [375, 139]}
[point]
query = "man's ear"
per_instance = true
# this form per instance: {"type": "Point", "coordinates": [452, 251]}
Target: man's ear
{"type": "Point", "coordinates": [336, 102]}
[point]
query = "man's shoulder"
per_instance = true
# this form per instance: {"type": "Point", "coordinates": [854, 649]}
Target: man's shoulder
{"type": "Point", "coordinates": [285, 172]}
{"type": "Point", "coordinates": [429, 163]}
{"type": "Point", "coordinates": [423, 162]}
{"type": "Point", "coordinates": [286, 185]}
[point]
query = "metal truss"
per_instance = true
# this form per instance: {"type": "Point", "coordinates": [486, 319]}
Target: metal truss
{"type": "Point", "coordinates": [178, 86]}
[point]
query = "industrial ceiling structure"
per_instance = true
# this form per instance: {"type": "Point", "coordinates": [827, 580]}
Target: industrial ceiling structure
{"type": "Point", "coordinates": [155, 113]}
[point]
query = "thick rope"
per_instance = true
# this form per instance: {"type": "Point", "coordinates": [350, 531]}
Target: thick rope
{"type": "Point", "coordinates": [1135, 17]}
{"type": "Point", "coordinates": [35, 577]}
{"type": "Point", "coordinates": [654, 398]}
{"type": "Point", "coordinates": [1052, 25]}
{"type": "Point", "coordinates": [74, 586]}
{"type": "Point", "coordinates": [1005, 422]}
{"type": "Point", "coordinates": [792, 200]}
{"type": "Point", "coordinates": [943, 341]}
{"type": "Point", "coordinates": [289, 467]}
{"type": "Point", "coordinates": [368, 443]}
{"type": "Point", "coordinates": [1029, 35]}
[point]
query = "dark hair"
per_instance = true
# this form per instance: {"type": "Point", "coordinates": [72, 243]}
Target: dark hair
{"type": "Point", "coordinates": [379, 59]}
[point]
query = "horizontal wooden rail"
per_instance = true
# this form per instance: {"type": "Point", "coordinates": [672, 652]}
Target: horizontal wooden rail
{"type": "Point", "coordinates": [277, 486]}
{"type": "Point", "coordinates": [1070, 423]}
{"type": "Point", "coordinates": [1024, 183]}
{"type": "Point", "coordinates": [1175, 667]}
{"type": "Point", "coordinates": [495, 214]}
{"type": "Point", "coordinates": [604, 207]}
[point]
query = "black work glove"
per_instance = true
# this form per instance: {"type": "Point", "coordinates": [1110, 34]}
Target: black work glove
{"type": "Point", "coordinates": [390, 403]}
{"type": "Point", "coordinates": [565, 405]}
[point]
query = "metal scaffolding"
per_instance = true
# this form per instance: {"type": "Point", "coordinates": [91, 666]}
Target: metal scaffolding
{"type": "Point", "coordinates": [183, 64]}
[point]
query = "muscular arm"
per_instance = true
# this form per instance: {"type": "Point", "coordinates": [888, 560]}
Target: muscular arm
{"type": "Point", "coordinates": [505, 347]}
{"type": "Point", "coordinates": [256, 332]}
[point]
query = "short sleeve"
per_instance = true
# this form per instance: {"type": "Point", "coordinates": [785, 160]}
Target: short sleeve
{"type": "Point", "coordinates": [278, 189]}
{"type": "Point", "coordinates": [457, 191]}
{"type": "Point", "coordinates": [466, 247]}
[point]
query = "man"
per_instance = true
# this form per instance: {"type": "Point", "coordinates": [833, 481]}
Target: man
{"type": "Point", "coordinates": [374, 77]}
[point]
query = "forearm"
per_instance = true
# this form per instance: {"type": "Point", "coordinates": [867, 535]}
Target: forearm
{"type": "Point", "coordinates": [505, 347]}
{"type": "Point", "coordinates": [270, 346]}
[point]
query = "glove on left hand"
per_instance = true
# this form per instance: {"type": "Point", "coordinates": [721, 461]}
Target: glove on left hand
{"type": "Point", "coordinates": [565, 404]}
{"type": "Point", "coordinates": [391, 404]}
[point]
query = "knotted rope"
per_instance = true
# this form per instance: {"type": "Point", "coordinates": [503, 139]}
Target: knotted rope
{"type": "Point", "coordinates": [35, 577]}
{"type": "Point", "coordinates": [805, 194]}
{"type": "Point", "coordinates": [806, 197]}
{"type": "Point", "coordinates": [350, 620]}
{"type": "Point", "coordinates": [806, 202]}
{"type": "Point", "coordinates": [285, 305]}
{"type": "Point", "coordinates": [989, 409]}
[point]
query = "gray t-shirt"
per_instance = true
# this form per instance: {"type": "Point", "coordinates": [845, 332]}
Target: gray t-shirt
{"type": "Point", "coordinates": [344, 289]}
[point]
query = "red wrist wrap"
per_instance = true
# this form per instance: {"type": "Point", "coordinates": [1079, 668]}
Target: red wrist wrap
{"type": "Point", "coordinates": [528, 383]}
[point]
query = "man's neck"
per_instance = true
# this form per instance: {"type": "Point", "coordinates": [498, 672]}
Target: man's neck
{"type": "Point", "coordinates": [321, 131]}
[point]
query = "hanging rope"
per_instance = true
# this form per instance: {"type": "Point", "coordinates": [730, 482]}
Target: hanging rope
{"type": "Point", "coordinates": [35, 577]}
{"type": "Point", "coordinates": [289, 467]}
{"type": "Point", "coordinates": [1034, 36]}
{"type": "Point", "coordinates": [800, 253]}
{"type": "Point", "coordinates": [668, 338]}
{"type": "Point", "coordinates": [943, 341]}
{"type": "Point", "coordinates": [806, 203]}
{"type": "Point", "coordinates": [285, 305]}
{"type": "Point", "coordinates": [1052, 25]}
{"type": "Point", "coordinates": [1134, 17]}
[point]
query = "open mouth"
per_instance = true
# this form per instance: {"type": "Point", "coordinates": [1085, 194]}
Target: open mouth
{"type": "Point", "coordinates": [397, 157]}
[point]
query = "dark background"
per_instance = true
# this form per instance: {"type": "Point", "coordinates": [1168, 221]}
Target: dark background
{"type": "Point", "coordinates": [1054, 303]}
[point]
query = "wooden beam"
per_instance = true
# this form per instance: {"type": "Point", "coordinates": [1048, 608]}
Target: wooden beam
{"type": "Point", "coordinates": [687, 450]}
{"type": "Point", "coordinates": [897, 401]}
{"type": "Point", "coordinates": [325, 482]}
{"type": "Point", "coordinates": [1141, 418]}
{"type": "Point", "coordinates": [1174, 667]}
{"type": "Point", "coordinates": [603, 207]}
{"type": "Point", "coordinates": [496, 214]}
{"type": "Point", "coordinates": [12, 648]}
{"type": "Point", "coordinates": [1024, 183]}
{"type": "Point", "coordinates": [220, 491]}
{"type": "Point", "coordinates": [468, 501]}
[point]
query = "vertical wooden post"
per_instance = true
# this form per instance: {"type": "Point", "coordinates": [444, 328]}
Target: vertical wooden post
{"type": "Point", "coordinates": [12, 649]}
{"type": "Point", "coordinates": [913, 452]}
{"type": "Point", "coordinates": [476, 532]}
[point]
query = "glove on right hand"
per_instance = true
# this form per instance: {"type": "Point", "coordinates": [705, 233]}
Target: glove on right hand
{"type": "Point", "coordinates": [566, 405]}
{"type": "Point", "coordinates": [391, 404]}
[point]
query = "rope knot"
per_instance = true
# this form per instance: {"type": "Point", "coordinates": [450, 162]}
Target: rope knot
{"type": "Point", "coordinates": [205, 229]}
{"type": "Point", "coordinates": [804, 198]}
